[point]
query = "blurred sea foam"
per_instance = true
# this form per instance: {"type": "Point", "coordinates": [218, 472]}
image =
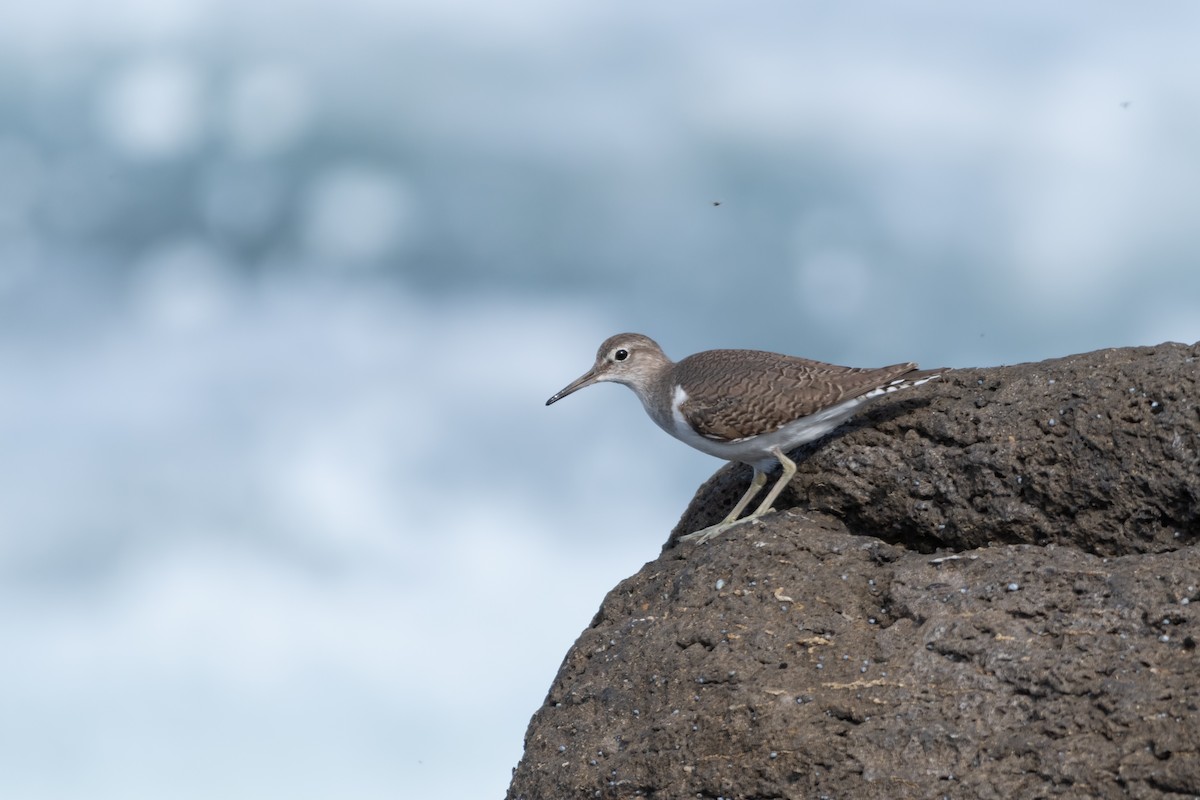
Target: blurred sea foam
{"type": "Point", "coordinates": [283, 290]}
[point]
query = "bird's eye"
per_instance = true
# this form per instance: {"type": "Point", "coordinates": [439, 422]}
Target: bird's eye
{"type": "Point", "coordinates": [620, 355]}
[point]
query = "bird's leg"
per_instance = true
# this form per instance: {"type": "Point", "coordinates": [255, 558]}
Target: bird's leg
{"type": "Point", "coordinates": [704, 534]}
{"type": "Point", "coordinates": [756, 485]}
{"type": "Point", "coordinates": [789, 469]}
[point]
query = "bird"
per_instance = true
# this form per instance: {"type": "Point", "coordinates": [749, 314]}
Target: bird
{"type": "Point", "coordinates": [746, 406]}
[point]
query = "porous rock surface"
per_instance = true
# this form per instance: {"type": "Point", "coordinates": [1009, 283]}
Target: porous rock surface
{"type": "Point", "coordinates": [986, 587]}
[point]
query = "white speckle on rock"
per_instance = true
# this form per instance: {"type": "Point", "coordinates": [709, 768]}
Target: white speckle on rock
{"type": "Point", "coordinates": [720, 584]}
{"type": "Point", "coordinates": [1014, 586]}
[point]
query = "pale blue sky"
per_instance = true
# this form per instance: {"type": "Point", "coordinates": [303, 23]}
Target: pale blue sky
{"type": "Point", "coordinates": [283, 289]}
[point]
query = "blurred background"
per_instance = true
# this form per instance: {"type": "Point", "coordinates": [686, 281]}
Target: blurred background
{"type": "Point", "coordinates": [284, 287]}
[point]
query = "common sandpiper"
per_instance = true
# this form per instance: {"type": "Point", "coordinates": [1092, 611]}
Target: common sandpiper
{"type": "Point", "coordinates": [748, 406]}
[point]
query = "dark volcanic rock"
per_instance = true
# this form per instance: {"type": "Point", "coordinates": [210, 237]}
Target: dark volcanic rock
{"type": "Point", "coordinates": [990, 588]}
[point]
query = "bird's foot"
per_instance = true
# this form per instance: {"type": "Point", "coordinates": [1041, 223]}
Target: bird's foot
{"type": "Point", "coordinates": [704, 534]}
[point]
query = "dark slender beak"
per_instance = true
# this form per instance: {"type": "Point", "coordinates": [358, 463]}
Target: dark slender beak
{"type": "Point", "coordinates": [586, 379]}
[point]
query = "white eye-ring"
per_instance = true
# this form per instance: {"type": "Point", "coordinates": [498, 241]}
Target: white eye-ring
{"type": "Point", "coordinates": [620, 355]}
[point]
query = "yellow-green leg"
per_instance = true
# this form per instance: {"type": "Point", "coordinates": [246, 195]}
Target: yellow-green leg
{"type": "Point", "coordinates": [756, 485]}
{"type": "Point", "coordinates": [704, 534]}
{"type": "Point", "coordinates": [789, 470]}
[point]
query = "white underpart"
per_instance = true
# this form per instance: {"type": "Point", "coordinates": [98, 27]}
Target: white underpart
{"type": "Point", "coordinates": [756, 450]}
